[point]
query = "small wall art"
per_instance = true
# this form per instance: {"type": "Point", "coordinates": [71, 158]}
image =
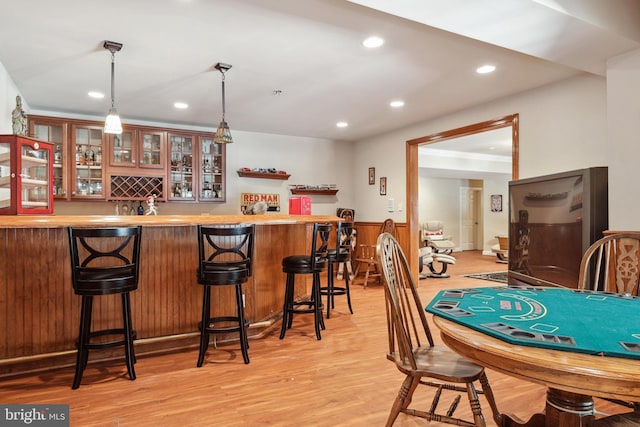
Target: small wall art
{"type": "Point", "coordinates": [372, 176]}
{"type": "Point", "coordinates": [383, 185]}
{"type": "Point", "coordinates": [496, 203]}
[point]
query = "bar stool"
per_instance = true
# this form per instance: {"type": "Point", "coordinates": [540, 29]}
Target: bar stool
{"type": "Point", "coordinates": [225, 259]}
{"type": "Point", "coordinates": [342, 254]}
{"type": "Point", "coordinates": [104, 261]}
{"type": "Point", "coordinates": [313, 263]}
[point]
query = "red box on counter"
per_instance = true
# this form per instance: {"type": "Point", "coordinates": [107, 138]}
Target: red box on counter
{"type": "Point", "coordinates": [300, 205]}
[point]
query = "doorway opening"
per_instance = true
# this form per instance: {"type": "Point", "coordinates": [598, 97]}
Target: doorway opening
{"type": "Point", "coordinates": [413, 217]}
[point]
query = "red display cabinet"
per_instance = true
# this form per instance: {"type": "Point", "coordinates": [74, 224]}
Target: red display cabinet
{"type": "Point", "coordinates": [26, 173]}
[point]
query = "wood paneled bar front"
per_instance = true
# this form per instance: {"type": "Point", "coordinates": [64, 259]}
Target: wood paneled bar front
{"type": "Point", "coordinates": [39, 312]}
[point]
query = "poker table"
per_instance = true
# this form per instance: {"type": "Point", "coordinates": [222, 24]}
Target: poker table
{"type": "Point", "coordinates": [580, 344]}
{"type": "Point", "coordinates": [574, 320]}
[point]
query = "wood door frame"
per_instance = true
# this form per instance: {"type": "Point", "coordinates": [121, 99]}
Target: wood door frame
{"type": "Point", "coordinates": [412, 169]}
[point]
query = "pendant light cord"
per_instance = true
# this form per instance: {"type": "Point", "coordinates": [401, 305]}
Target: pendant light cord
{"type": "Point", "coordinates": [223, 101]}
{"type": "Point", "coordinates": [113, 71]}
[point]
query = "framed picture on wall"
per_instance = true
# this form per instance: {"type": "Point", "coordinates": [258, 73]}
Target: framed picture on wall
{"type": "Point", "coordinates": [372, 176]}
{"type": "Point", "coordinates": [496, 203]}
{"type": "Point", "coordinates": [383, 185]}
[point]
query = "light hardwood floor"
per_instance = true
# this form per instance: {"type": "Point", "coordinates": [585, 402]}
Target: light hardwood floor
{"type": "Point", "coordinates": [342, 380]}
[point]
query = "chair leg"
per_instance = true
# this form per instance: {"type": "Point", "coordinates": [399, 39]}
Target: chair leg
{"type": "Point", "coordinates": [348, 292]}
{"type": "Point", "coordinates": [288, 305]}
{"type": "Point", "coordinates": [244, 341]}
{"type": "Point", "coordinates": [315, 296]}
{"type": "Point", "coordinates": [129, 351]}
{"type": "Point", "coordinates": [403, 399]}
{"type": "Point", "coordinates": [330, 297]}
{"type": "Point", "coordinates": [475, 406]}
{"type": "Point", "coordinates": [206, 315]}
{"type": "Point", "coordinates": [366, 275]}
{"type": "Point", "coordinates": [488, 394]}
{"type": "Point", "coordinates": [82, 356]}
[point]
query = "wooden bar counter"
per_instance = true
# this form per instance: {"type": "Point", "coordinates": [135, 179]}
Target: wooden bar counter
{"type": "Point", "coordinates": [39, 312]}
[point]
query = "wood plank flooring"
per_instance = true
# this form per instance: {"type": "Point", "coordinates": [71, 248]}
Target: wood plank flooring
{"type": "Point", "coordinates": [342, 380]}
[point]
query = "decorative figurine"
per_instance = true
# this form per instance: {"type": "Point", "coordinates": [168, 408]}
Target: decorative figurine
{"type": "Point", "coordinates": [19, 118]}
{"type": "Point", "coordinates": [151, 202]}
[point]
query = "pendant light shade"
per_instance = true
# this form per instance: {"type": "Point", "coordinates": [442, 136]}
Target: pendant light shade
{"type": "Point", "coordinates": [112, 124]}
{"type": "Point", "coordinates": [223, 134]}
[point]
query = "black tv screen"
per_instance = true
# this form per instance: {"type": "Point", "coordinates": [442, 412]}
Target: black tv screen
{"type": "Point", "coordinates": [553, 219]}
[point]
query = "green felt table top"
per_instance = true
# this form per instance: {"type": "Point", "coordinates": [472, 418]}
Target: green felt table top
{"type": "Point", "coordinates": [558, 318]}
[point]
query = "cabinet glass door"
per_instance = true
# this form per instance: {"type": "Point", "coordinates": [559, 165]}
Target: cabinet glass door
{"type": "Point", "coordinates": [34, 174]}
{"type": "Point", "coordinates": [122, 150]}
{"type": "Point", "coordinates": [88, 162]}
{"type": "Point", "coordinates": [152, 150]}
{"type": "Point", "coordinates": [6, 189]}
{"type": "Point", "coordinates": [56, 134]}
{"type": "Point", "coordinates": [211, 171]}
{"type": "Point", "coordinates": [181, 169]}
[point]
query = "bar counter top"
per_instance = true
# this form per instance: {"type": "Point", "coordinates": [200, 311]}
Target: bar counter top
{"type": "Point", "coordinates": [56, 221]}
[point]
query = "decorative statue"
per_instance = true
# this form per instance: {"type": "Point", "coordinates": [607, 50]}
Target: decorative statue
{"type": "Point", "coordinates": [151, 202]}
{"type": "Point", "coordinates": [19, 118]}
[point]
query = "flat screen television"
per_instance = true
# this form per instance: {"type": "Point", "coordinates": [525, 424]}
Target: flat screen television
{"type": "Point", "coordinates": [553, 219]}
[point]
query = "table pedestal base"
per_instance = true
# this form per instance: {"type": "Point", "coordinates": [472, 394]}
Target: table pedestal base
{"type": "Point", "coordinates": [562, 409]}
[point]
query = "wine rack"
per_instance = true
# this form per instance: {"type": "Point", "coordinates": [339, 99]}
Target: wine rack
{"type": "Point", "coordinates": [136, 187]}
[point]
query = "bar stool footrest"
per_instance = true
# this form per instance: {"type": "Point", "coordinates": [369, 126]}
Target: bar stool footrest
{"type": "Point", "coordinates": [106, 332]}
{"type": "Point", "coordinates": [223, 329]}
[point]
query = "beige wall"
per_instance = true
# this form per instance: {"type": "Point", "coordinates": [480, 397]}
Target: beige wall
{"type": "Point", "coordinates": [562, 127]}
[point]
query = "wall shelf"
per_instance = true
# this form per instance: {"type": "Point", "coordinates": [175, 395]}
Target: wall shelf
{"type": "Point", "coordinates": [324, 192]}
{"type": "Point", "coordinates": [265, 175]}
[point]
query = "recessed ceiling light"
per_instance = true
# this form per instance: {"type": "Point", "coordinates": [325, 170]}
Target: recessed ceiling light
{"type": "Point", "coordinates": [397, 104]}
{"type": "Point", "coordinates": [342, 124]}
{"type": "Point", "coordinates": [372, 42]}
{"type": "Point", "coordinates": [181, 105]}
{"type": "Point", "coordinates": [486, 69]}
{"type": "Point", "coordinates": [96, 95]}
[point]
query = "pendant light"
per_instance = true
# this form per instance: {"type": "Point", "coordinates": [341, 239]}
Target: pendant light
{"type": "Point", "coordinates": [112, 123]}
{"type": "Point", "coordinates": [223, 134]}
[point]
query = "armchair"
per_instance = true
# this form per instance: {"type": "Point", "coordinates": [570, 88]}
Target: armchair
{"type": "Point", "coordinates": [436, 253]}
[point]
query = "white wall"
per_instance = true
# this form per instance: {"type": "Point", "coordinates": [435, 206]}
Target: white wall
{"type": "Point", "coordinates": [440, 200]}
{"type": "Point", "coordinates": [623, 127]}
{"type": "Point", "coordinates": [495, 223]}
{"type": "Point", "coordinates": [562, 127]}
{"type": "Point", "coordinates": [8, 92]}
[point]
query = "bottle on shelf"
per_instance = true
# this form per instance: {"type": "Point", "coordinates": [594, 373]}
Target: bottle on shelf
{"type": "Point", "coordinates": [99, 156]}
{"type": "Point", "coordinates": [140, 209]}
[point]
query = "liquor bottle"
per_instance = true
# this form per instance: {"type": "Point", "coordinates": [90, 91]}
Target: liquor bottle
{"type": "Point", "coordinates": [57, 156]}
{"type": "Point", "coordinates": [140, 209]}
{"type": "Point", "coordinates": [78, 155]}
{"type": "Point", "coordinates": [99, 156]}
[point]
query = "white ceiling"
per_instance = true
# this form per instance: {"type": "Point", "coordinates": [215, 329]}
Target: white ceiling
{"type": "Point", "coordinates": [308, 49]}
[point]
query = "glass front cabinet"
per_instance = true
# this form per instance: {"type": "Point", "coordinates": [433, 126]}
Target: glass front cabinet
{"type": "Point", "coordinates": [137, 149]}
{"type": "Point", "coordinates": [181, 172]}
{"type": "Point", "coordinates": [26, 174]}
{"type": "Point", "coordinates": [55, 132]}
{"type": "Point", "coordinates": [211, 182]}
{"type": "Point", "coordinates": [87, 165]}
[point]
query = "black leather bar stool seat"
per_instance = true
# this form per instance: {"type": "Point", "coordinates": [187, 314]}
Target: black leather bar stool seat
{"type": "Point", "coordinates": [104, 261]}
{"type": "Point", "coordinates": [225, 259]}
{"type": "Point", "coordinates": [341, 254]}
{"type": "Point", "coordinates": [313, 263]}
